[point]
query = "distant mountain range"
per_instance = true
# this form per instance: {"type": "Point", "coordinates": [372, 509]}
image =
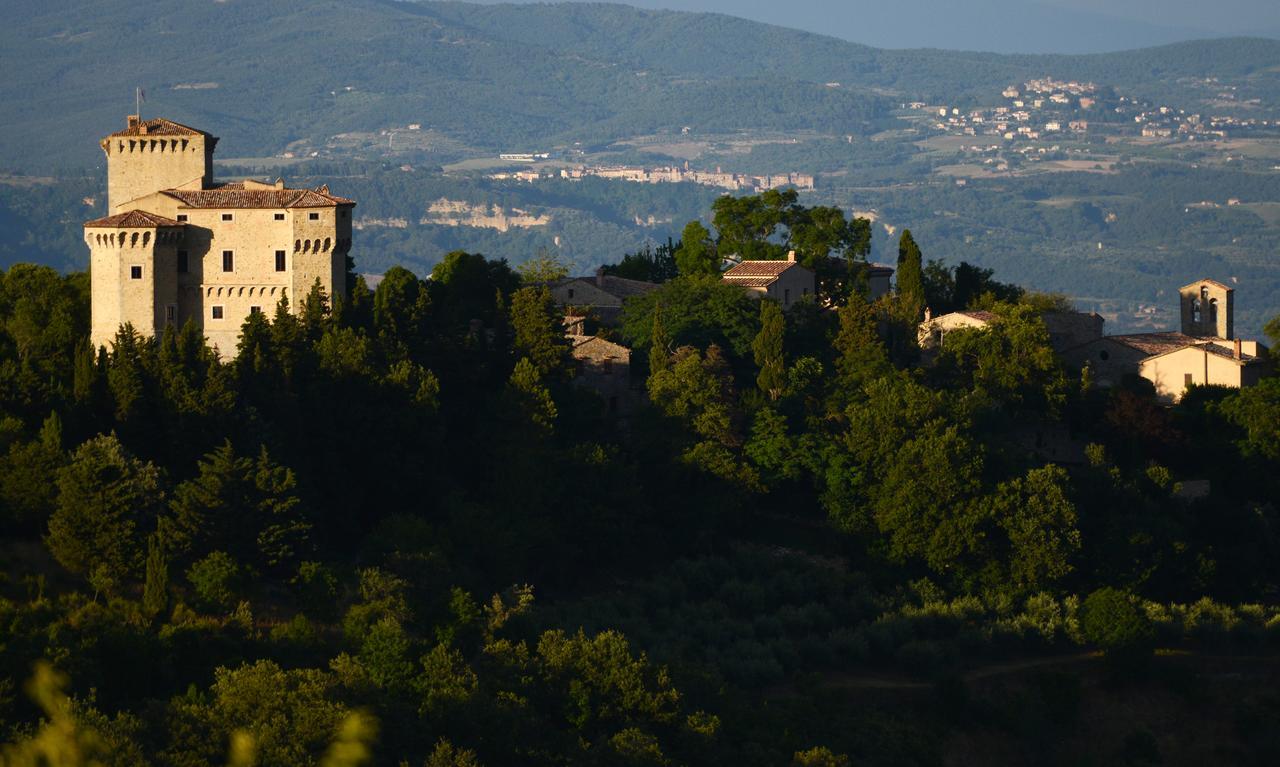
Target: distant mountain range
{"type": "Point", "coordinates": [262, 74]}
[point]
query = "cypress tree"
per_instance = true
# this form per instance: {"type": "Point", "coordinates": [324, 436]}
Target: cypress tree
{"type": "Point", "coordinates": [155, 592]}
{"type": "Point", "coordinates": [659, 344]}
{"type": "Point", "coordinates": [910, 279]}
{"type": "Point", "coordinates": [768, 350]}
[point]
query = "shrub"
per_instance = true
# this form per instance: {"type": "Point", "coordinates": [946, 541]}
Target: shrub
{"type": "Point", "coordinates": [216, 580]}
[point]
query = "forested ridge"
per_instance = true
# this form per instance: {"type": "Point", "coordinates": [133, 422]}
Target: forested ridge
{"type": "Point", "coordinates": [392, 528]}
{"type": "Point", "coordinates": [495, 77]}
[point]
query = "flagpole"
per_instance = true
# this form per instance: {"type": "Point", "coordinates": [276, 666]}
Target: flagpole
{"type": "Point", "coordinates": [137, 102]}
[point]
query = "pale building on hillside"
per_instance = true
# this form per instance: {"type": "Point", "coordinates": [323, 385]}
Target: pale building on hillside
{"type": "Point", "coordinates": [1066, 329]}
{"type": "Point", "coordinates": [177, 246]}
{"type": "Point", "coordinates": [1204, 352]}
{"type": "Point", "coordinates": [786, 282]}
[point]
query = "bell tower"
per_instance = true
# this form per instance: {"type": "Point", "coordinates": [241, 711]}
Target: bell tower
{"type": "Point", "coordinates": [1207, 309]}
{"type": "Point", "coordinates": [151, 155]}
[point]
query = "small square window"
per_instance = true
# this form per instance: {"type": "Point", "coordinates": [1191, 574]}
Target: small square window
{"type": "Point", "coordinates": [344, 214]}
{"type": "Point", "coordinates": [184, 262]}
{"type": "Point", "coordinates": [279, 217]}
{"type": "Point", "coordinates": [313, 216]}
{"type": "Point", "coordinates": [228, 261]}
{"type": "Point", "coordinates": [182, 216]}
{"type": "Point", "coordinates": [227, 217]}
{"type": "Point", "coordinates": [1187, 379]}
{"type": "Point", "coordinates": [255, 310]}
{"type": "Point", "coordinates": [217, 312]}
{"type": "Point", "coordinates": [135, 272]}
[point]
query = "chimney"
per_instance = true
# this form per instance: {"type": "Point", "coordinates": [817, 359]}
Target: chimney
{"type": "Point", "coordinates": [131, 121]}
{"type": "Point", "coordinates": [791, 256]}
{"type": "Point", "coordinates": [1237, 354]}
{"type": "Point", "coordinates": [928, 314]}
{"type": "Point", "coordinates": [279, 183]}
{"type": "Point", "coordinates": [600, 277]}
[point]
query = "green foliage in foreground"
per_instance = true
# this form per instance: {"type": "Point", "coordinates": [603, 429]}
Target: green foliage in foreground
{"type": "Point", "coordinates": [255, 560]}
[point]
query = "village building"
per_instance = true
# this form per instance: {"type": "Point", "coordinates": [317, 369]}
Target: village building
{"type": "Point", "coordinates": [601, 296]}
{"type": "Point", "coordinates": [785, 281]}
{"type": "Point", "coordinates": [1066, 329]}
{"type": "Point", "coordinates": [1203, 352]}
{"type": "Point", "coordinates": [604, 367]}
{"type": "Point", "coordinates": [176, 246]}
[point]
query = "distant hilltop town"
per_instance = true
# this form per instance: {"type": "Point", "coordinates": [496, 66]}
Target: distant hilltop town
{"type": "Point", "coordinates": [734, 182]}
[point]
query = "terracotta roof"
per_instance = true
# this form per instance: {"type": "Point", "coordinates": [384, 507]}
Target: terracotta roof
{"type": "Point", "coordinates": [1215, 283]}
{"type": "Point", "coordinates": [234, 195]}
{"type": "Point", "coordinates": [580, 341]}
{"type": "Point", "coordinates": [1155, 343]}
{"type": "Point", "coordinates": [1214, 349]}
{"type": "Point", "coordinates": [159, 127]}
{"type": "Point", "coordinates": [979, 315]}
{"type": "Point", "coordinates": [133, 219]}
{"type": "Point", "coordinates": [759, 269]}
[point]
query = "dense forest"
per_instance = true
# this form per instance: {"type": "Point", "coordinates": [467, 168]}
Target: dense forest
{"type": "Point", "coordinates": [392, 529]}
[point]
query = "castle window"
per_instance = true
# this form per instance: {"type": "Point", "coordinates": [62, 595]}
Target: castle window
{"type": "Point", "coordinates": [182, 216]}
{"type": "Point", "coordinates": [1195, 310]}
{"type": "Point", "coordinates": [228, 261]}
{"type": "Point", "coordinates": [183, 262]}
{"type": "Point", "coordinates": [279, 217]}
{"type": "Point", "coordinates": [1213, 310]}
{"type": "Point", "coordinates": [135, 272]}
{"type": "Point", "coordinates": [313, 216]}
{"type": "Point", "coordinates": [227, 216]}
{"type": "Point", "coordinates": [170, 313]}
{"type": "Point", "coordinates": [217, 312]}
{"type": "Point", "coordinates": [570, 292]}
{"type": "Point", "coordinates": [255, 310]}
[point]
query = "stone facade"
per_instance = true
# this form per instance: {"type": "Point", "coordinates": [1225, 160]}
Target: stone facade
{"type": "Point", "coordinates": [215, 252]}
{"type": "Point", "coordinates": [605, 368]}
{"type": "Point", "coordinates": [1207, 309]}
{"type": "Point", "coordinates": [601, 295]}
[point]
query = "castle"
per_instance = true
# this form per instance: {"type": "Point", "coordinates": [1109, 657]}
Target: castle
{"type": "Point", "coordinates": [176, 246]}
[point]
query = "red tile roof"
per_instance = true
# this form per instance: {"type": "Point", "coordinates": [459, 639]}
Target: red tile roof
{"type": "Point", "coordinates": [979, 315]}
{"type": "Point", "coordinates": [236, 196]}
{"type": "Point", "coordinates": [159, 127]}
{"type": "Point", "coordinates": [1155, 343]}
{"type": "Point", "coordinates": [759, 269]}
{"type": "Point", "coordinates": [133, 219]}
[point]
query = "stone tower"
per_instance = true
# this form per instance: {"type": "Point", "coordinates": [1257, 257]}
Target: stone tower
{"type": "Point", "coordinates": [132, 260]}
{"type": "Point", "coordinates": [1207, 309]}
{"type": "Point", "coordinates": [156, 154]}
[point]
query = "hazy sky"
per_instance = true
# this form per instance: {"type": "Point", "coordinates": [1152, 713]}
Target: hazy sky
{"type": "Point", "coordinates": [1011, 26]}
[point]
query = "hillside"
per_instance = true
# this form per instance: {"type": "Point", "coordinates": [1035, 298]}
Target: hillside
{"type": "Point", "coordinates": [269, 73]}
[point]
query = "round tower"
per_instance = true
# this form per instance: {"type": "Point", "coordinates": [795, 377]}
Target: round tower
{"type": "Point", "coordinates": [133, 273]}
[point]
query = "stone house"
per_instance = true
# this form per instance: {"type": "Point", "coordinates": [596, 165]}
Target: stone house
{"type": "Point", "coordinates": [1066, 329]}
{"type": "Point", "coordinates": [601, 295]}
{"type": "Point", "coordinates": [786, 282]}
{"type": "Point", "coordinates": [605, 368]}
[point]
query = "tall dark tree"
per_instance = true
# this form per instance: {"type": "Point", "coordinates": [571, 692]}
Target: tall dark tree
{"type": "Point", "coordinates": [767, 348]}
{"type": "Point", "coordinates": [910, 278]}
